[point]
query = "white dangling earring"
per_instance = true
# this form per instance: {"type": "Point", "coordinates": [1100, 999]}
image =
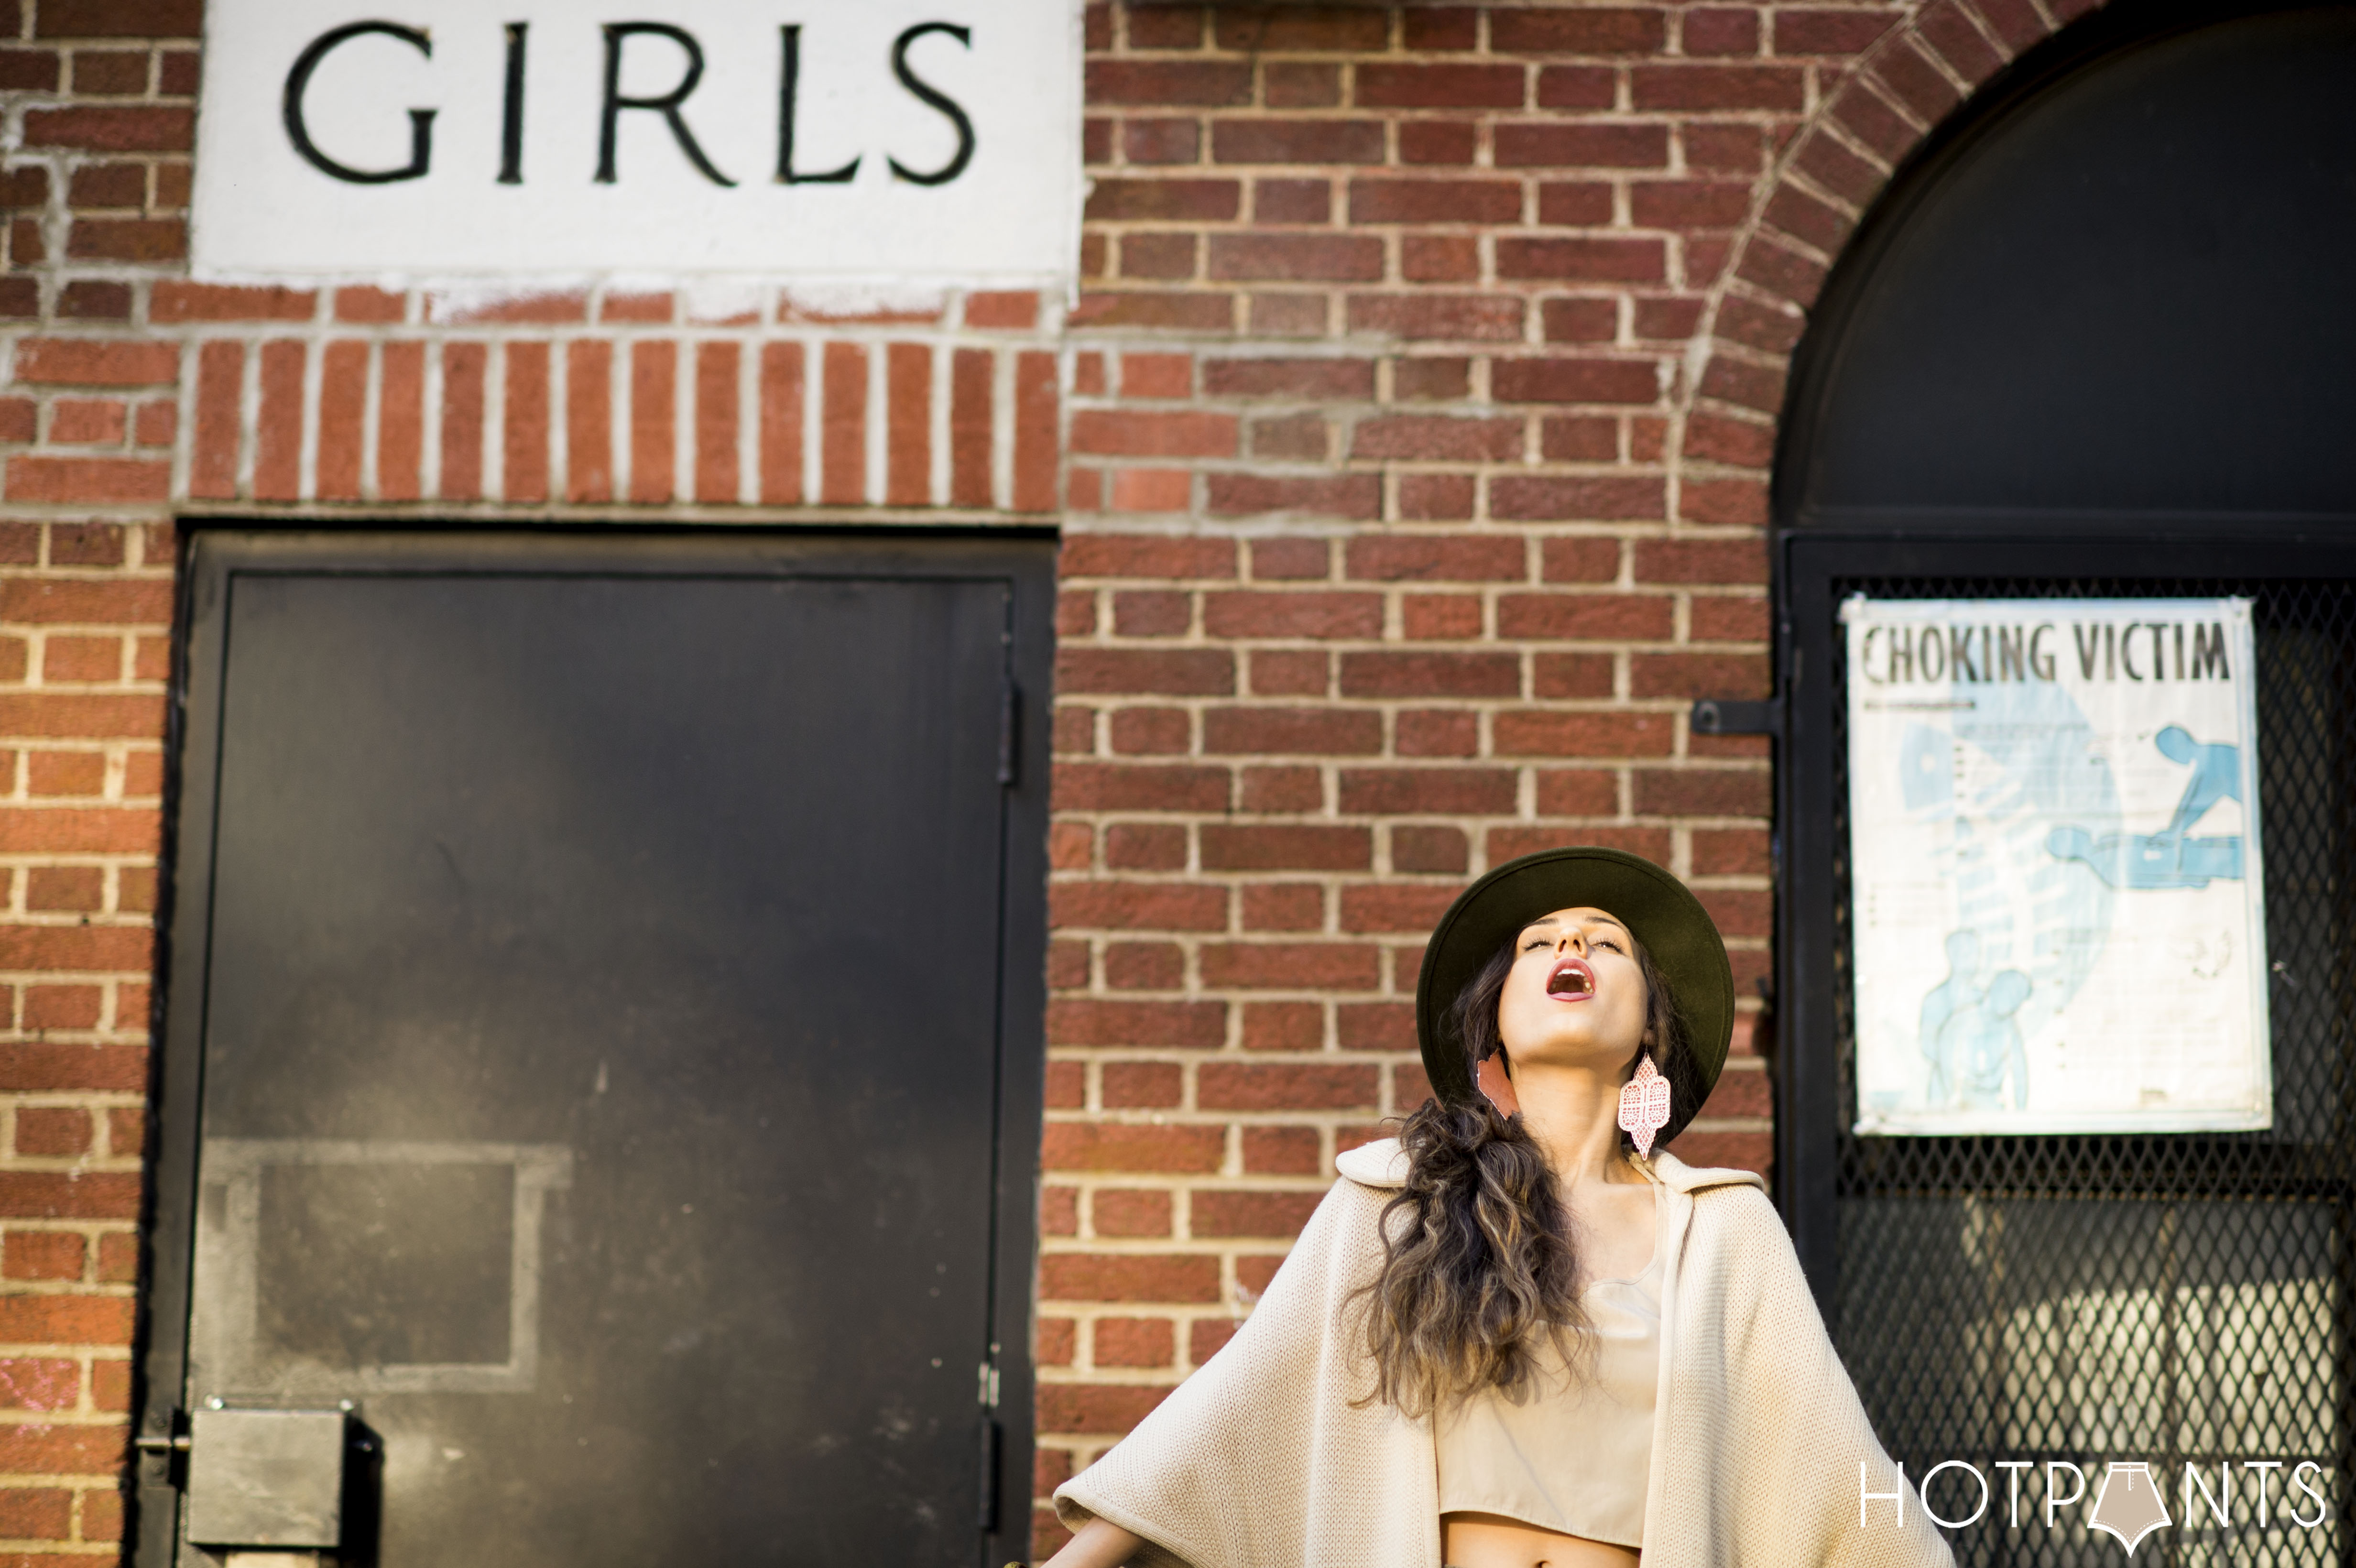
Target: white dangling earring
{"type": "Point", "coordinates": [1644, 1105]}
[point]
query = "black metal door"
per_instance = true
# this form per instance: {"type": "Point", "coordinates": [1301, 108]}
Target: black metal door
{"type": "Point", "coordinates": [2178, 1299]}
{"type": "Point", "coordinates": [602, 1041]}
{"type": "Point", "coordinates": [2036, 373]}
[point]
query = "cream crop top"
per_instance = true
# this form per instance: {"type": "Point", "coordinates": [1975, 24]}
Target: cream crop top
{"type": "Point", "coordinates": [1571, 1457]}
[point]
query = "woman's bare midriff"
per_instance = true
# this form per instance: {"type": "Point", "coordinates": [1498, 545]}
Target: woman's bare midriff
{"type": "Point", "coordinates": [1491, 1540]}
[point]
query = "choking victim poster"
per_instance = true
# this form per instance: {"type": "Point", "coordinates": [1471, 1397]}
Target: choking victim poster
{"type": "Point", "coordinates": [2055, 870]}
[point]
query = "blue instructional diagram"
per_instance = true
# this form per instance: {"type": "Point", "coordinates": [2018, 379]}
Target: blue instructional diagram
{"type": "Point", "coordinates": [2056, 888]}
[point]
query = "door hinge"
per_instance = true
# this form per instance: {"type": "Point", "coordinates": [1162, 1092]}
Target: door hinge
{"type": "Point", "coordinates": [986, 1515]}
{"type": "Point", "coordinates": [1010, 725]}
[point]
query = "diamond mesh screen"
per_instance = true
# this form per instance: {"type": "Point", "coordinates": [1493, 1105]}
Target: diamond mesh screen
{"type": "Point", "coordinates": [2169, 1299]}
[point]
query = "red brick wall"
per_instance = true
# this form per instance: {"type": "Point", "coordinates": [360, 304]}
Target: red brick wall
{"type": "Point", "coordinates": [1410, 435]}
{"type": "Point", "coordinates": [99, 110]}
{"type": "Point", "coordinates": [1422, 402]}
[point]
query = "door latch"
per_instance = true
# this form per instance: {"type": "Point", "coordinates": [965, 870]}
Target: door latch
{"type": "Point", "coordinates": [1725, 716]}
{"type": "Point", "coordinates": [265, 1477]}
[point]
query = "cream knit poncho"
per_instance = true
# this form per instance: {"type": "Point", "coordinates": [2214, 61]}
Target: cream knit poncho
{"type": "Point", "coordinates": [1262, 1459]}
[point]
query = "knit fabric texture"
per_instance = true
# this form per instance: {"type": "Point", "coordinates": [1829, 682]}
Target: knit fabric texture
{"type": "Point", "coordinates": [1271, 1455]}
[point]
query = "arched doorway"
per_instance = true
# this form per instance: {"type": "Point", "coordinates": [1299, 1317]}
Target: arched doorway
{"type": "Point", "coordinates": [2092, 344]}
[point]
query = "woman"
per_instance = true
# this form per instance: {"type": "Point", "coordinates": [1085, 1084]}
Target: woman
{"type": "Point", "coordinates": [1514, 1337]}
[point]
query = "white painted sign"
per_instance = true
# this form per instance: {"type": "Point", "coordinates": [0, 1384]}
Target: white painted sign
{"type": "Point", "coordinates": [884, 139]}
{"type": "Point", "coordinates": [2057, 895]}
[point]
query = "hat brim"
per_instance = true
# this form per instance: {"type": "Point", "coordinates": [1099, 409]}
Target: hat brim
{"type": "Point", "coordinates": [1661, 912]}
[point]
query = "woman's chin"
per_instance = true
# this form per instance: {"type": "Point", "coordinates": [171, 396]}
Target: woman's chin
{"type": "Point", "coordinates": [1574, 1056]}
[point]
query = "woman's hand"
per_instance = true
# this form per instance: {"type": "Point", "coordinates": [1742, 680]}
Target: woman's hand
{"type": "Point", "coordinates": [1100, 1545]}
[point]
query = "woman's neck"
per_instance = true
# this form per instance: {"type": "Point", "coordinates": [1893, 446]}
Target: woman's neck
{"type": "Point", "coordinates": [1573, 1115]}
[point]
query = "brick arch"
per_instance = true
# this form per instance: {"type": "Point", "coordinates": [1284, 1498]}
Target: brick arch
{"type": "Point", "coordinates": [1802, 213]}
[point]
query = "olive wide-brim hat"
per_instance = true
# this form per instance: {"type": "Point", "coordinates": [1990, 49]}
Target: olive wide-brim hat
{"type": "Point", "coordinates": [1660, 910]}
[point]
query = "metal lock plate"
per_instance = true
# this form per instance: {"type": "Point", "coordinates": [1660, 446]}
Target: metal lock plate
{"type": "Point", "coordinates": [265, 1478]}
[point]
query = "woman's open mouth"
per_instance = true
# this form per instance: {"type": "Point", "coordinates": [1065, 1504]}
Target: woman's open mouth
{"type": "Point", "coordinates": [1571, 981]}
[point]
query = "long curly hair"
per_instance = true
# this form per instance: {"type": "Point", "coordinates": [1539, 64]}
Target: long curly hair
{"type": "Point", "coordinates": [1484, 1273]}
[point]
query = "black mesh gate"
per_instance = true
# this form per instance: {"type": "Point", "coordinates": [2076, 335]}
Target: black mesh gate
{"type": "Point", "coordinates": [2174, 1299]}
